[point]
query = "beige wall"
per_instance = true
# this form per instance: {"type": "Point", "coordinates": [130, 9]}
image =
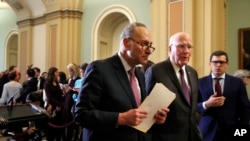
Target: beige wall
{"type": "Point", "coordinates": [204, 20]}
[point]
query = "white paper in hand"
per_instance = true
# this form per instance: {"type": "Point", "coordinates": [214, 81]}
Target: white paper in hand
{"type": "Point", "coordinates": [159, 97]}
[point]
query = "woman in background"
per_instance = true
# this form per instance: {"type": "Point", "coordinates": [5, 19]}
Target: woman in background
{"type": "Point", "coordinates": [55, 100]}
{"type": "Point", "coordinates": [73, 71]}
{"type": "Point", "coordinates": [78, 83]}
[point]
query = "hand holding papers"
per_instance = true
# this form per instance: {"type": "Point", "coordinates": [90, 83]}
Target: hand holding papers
{"type": "Point", "coordinates": [159, 97]}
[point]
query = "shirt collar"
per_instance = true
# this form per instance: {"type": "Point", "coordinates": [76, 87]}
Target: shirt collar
{"type": "Point", "coordinates": [124, 62]}
{"type": "Point", "coordinates": [222, 76]}
{"type": "Point", "coordinates": [177, 68]}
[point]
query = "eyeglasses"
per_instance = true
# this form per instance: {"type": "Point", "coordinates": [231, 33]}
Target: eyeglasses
{"type": "Point", "coordinates": [247, 77]}
{"type": "Point", "coordinates": [144, 44]}
{"type": "Point", "coordinates": [183, 46]}
{"type": "Point", "coordinates": [219, 62]}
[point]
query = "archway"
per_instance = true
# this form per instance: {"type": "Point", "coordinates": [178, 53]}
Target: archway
{"type": "Point", "coordinates": [11, 53]}
{"type": "Point", "coordinates": [107, 30]}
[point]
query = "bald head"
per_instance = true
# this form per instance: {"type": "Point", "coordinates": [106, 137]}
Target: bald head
{"type": "Point", "coordinates": [180, 48]}
{"type": "Point", "coordinates": [178, 37]}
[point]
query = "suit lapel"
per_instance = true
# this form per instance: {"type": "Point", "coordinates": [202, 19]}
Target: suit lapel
{"type": "Point", "coordinates": [175, 80]}
{"type": "Point", "coordinates": [141, 81]}
{"type": "Point", "coordinates": [226, 83]}
{"type": "Point", "coordinates": [193, 82]}
{"type": "Point", "coordinates": [171, 74]}
{"type": "Point", "coordinates": [122, 76]}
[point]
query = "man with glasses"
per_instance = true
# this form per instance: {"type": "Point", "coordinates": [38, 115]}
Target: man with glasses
{"type": "Point", "coordinates": [107, 105]}
{"type": "Point", "coordinates": [180, 78]}
{"type": "Point", "coordinates": [223, 102]}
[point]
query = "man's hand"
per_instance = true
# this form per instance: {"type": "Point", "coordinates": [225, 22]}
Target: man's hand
{"type": "Point", "coordinates": [161, 115]}
{"type": "Point", "coordinates": [132, 117]}
{"type": "Point", "coordinates": [215, 101]}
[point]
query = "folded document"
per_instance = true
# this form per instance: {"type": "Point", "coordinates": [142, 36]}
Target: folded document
{"type": "Point", "coordinates": [159, 97]}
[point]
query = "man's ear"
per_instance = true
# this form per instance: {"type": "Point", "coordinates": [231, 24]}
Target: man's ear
{"type": "Point", "coordinates": [169, 48]}
{"type": "Point", "coordinates": [126, 43]}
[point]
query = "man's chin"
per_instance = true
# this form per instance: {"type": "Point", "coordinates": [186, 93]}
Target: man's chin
{"type": "Point", "coordinates": [144, 62]}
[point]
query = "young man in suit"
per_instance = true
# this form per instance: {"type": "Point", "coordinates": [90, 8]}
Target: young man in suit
{"type": "Point", "coordinates": [181, 123]}
{"type": "Point", "coordinates": [40, 83]}
{"type": "Point", "coordinates": [29, 86]}
{"type": "Point", "coordinates": [106, 106]}
{"type": "Point", "coordinates": [221, 107]}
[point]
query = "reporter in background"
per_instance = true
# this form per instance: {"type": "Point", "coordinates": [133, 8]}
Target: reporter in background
{"type": "Point", "coordinates": [223, 103]}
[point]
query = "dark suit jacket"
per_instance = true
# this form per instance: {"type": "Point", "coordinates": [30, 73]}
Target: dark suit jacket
{"type": "Point", "coordinates": [181, 123]}
{"type": "Point", "coordinates": [29, 86]}
{"type": "Point", "coordinates": [236, 106]}
{"type": "Point", "coordinates": [41, 83]}
{"type": "Point", "coordinates": [106, 92]}
{"type": "Point", "coordinates": [3, 80]}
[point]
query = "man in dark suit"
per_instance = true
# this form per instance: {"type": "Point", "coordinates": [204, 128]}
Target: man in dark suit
{"type": "Point", "coordinates": [40, 79]}
{"type": "Point", "coordinates": [181, 123]}
{"type": "Point", "coordinates": [29, 86]}
{"type": "Point", "coordinates": [106, 106]}
{"type": "Point", "coordinates": [224, 107]}
{"type": "Point", "coordinates": [40, 84]}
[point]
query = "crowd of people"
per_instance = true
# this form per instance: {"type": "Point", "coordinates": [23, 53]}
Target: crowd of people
{"type": "Point", "coordinates": [100, 101]}
{"type": "Point", "coordinates": [53, 91]}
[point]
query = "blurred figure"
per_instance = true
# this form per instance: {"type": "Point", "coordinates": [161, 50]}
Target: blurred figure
{"type": "Point", "coordinates": [29, 86]}
{"type": "Point", "coordinates": [62, 78]}
{"type": "Point", "coordinates": [55, 100]}
{"type": "Point", "coordinates": [4, 79]}
{"type": "Point", "coordinates": [44, 74]}
{"type": "Point", "coordinates": [146, 66]}
{"type": "Point", "coordinates": [78, 83]}
{"type": "Point", "coordinates": [40, 79]}
{"type": "Point", "coordinates": [40, 83]}
{"type": "Point", "coordinates": [74, 75]}
{"type": "Point", "coordinates": [11, 89]}
{"type": "Point", "coordinates": [244, 75]}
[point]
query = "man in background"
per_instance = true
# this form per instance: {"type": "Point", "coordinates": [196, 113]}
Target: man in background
{"type": "Point", "coordinates": [223, 102]}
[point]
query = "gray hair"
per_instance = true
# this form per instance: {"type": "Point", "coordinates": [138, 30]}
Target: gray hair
{"type": "Point", "coordinates": [242, 73]}
{"type": "Point", "coordinates": [130, 29]}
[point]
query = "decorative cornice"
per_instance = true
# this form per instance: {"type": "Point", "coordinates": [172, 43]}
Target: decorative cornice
{"type": "Point", "coordinates": [64, 14]}
{"type": "Point", "coordinates": [50, 16]}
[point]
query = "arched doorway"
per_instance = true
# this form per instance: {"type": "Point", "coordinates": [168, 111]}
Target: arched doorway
{"type": "Point", "coordinates": [107, 30]}
{"type": "Point", "coordinates": [12, 50]}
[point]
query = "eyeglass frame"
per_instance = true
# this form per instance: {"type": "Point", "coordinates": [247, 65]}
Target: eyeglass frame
{"type": "Point", "coordinates": [183, 46]}
{"type": "Point", "coordinates": [143, 44]}
{"type": "Point", "coordinates": [219, 62]}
